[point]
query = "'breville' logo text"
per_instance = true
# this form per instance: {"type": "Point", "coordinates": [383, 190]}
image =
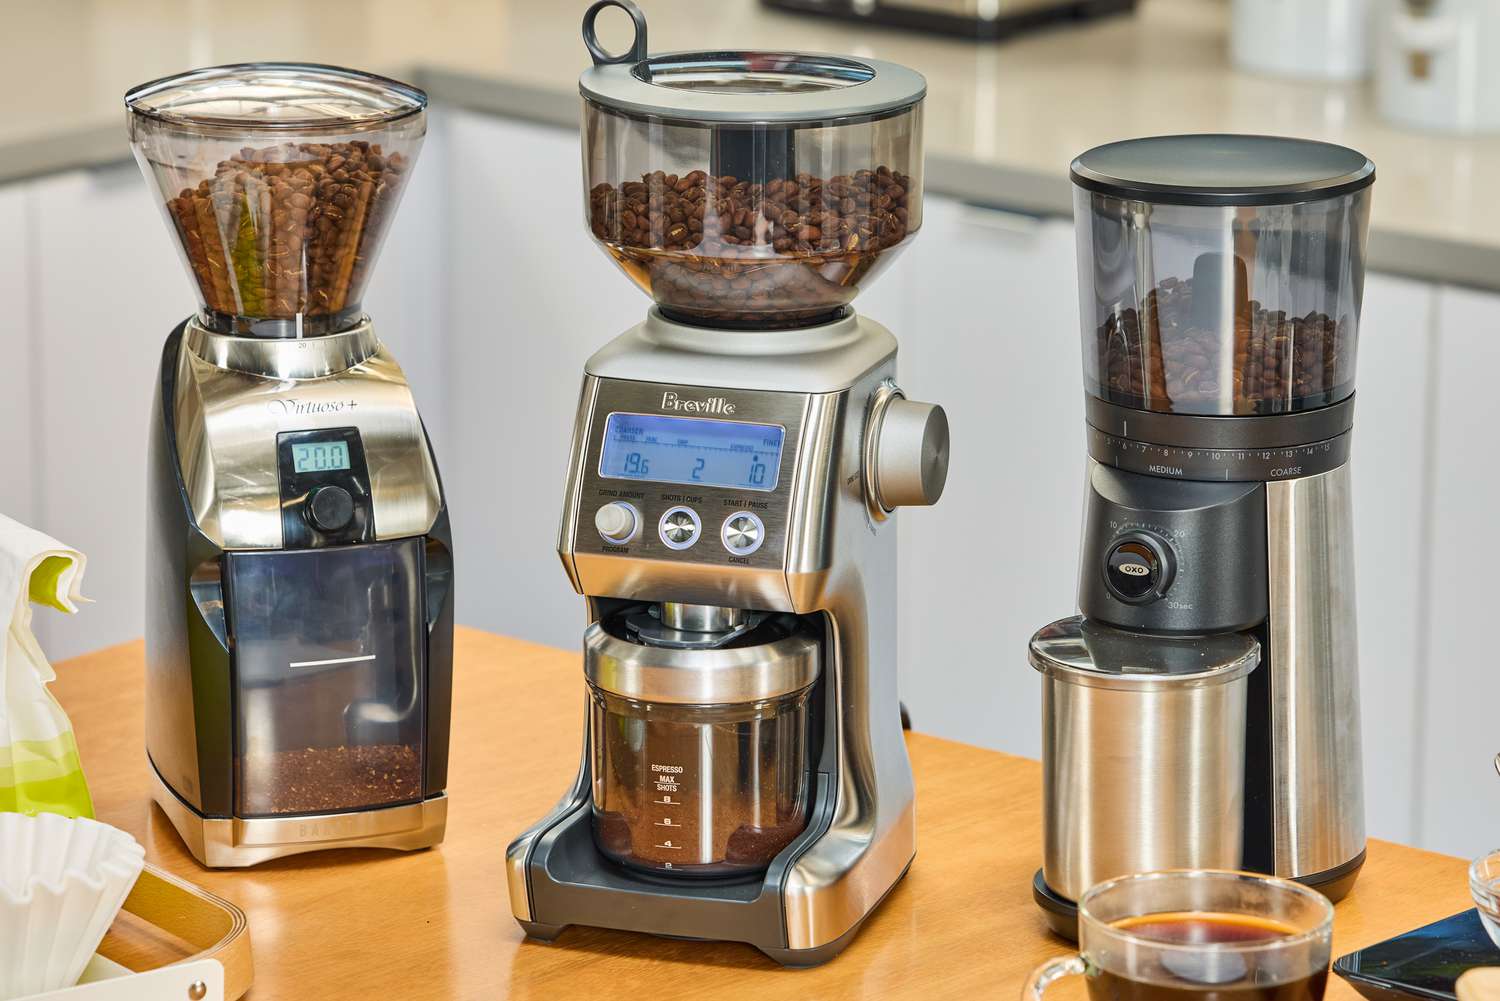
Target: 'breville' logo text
{"type": "Point", "coordinates": [712, 405]}
{"type": "Point", "coordinates": [284, 407]}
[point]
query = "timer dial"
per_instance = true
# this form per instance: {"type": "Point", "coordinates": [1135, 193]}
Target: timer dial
{"type": "Point", "coordinates": [1139, 568]}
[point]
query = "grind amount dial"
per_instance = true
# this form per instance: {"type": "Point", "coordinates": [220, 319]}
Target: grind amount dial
{"type": "Point", "coordinates": [906, 451]}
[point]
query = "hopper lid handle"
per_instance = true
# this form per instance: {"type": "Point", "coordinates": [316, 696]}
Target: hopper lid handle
{"type": "Point", "coordinates": [602, 56]}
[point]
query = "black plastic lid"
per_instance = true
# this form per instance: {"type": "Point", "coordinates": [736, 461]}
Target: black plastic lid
{"type": "Point", "coordinates": [1214, 170]}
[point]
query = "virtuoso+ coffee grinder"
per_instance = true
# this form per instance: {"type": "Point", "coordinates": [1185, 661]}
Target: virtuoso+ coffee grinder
{"type": "Point", "coordinates": [299, 587]}
{"type": "Point", "coordinates": [736, 462]}
{"type": "Point", "coordinates": [1221, 280]}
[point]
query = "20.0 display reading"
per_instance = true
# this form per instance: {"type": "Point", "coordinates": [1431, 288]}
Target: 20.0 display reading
{"type": "Point", "coordinates": [318, 456]}
{"type": "Point", "coordinates": [691, 450]}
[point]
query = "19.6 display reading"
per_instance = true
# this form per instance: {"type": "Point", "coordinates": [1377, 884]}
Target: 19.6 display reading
{"type": "Point", "coordinates": [317, 456]}
{"type": "Point", "coordinates": [691, 450]}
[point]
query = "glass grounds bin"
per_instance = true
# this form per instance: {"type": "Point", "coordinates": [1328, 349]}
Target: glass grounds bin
{"type": "Point", "coordinates": [1221, 275]}
{"type": "Point", "coordinates": [750, 189]}
{"type": "Point", "coordinates": [329, 677]}
{"type": "Point", "coordinates": [279, 181]}
{"type": "Point", "coordinates": [700, 756]}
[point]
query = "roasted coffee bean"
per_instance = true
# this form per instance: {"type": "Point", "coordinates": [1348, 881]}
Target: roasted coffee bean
{"type": "Point", "coordinates": [1277, 362]}
{"type": "Point", "coordinates": [725, 250]}
{"type": "Point", "coordinates": [288, 229]}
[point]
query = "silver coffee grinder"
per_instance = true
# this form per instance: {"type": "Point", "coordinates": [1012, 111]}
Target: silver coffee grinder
{"type": "Point", "coordinates": [300, 578]}
{"type": "Point", "coordinates": [1221, 278]}
{"type": "Point", "coordinates": [736, 463]}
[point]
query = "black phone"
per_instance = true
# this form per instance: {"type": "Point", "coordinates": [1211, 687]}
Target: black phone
{"type": "Point", "coordinates": [1423, 963]}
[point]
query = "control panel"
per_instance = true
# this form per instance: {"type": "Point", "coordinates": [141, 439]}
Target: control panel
{"type": "Point", "coordinates": [325, 488]}
{"type": "Point", "coordinates": [689, 474]}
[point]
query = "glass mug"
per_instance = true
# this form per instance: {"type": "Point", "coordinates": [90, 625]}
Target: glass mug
{"type": "Point", "coordinates": [1198, 935]}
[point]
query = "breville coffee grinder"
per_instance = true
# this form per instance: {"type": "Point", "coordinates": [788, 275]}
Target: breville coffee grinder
{"type": "Point", "coordinates": [736, 462]}
{"type": "Point", "coordinates": [299, 584]}
{"type": "Point", "coordinates": [1221, 282]}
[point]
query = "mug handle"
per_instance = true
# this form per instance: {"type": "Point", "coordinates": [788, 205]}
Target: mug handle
{"type": "Point", "coordinates": [1043, 976]}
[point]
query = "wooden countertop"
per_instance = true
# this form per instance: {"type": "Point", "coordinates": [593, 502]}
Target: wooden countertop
{"type": "Point", "coordinates": [437, 924]}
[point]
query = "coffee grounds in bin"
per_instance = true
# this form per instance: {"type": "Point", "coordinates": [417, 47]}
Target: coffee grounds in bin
{"type": "Point", "coordinates": [1171, 364]}
{"type": "Point", "coordinates": [724, 251]}
{"type": "Point", "coordinates": [325, 779]}
{"type": "Point", "coordinates": [289, 229]}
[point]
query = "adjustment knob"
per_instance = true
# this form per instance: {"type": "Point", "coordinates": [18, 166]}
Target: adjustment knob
{"type": "Point", "coordinates": [617, 522]}
{"type": "Point", "coordinates": [330, 508]}
{"type": "Point", "coordinates": [1138, 569]}
{"type": "Point", "coordinates": [911, 455]}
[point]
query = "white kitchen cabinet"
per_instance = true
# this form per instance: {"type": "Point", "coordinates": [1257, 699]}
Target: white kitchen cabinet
{"type": "Point", "coordinates": [18, 486]}
{"type": "Point", "coordinates": [1458, 685]}
{"type": "Point", "coordinates": [1396, 357]}
{"type": "Point", "coordinates": [989, 329]}
{"type": "Point", "coordinates": [530, 298]}
{"type": "Point", "coordinates": [406, 293]}
{"type": "Point", "coordinates": [109, 293]}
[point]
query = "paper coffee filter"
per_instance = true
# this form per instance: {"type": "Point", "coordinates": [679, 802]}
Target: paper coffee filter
{"type": "Point", "coordinates": [62, 881]}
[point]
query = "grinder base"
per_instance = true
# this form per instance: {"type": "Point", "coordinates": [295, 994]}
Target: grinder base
{"type": "Point", "coordinates": [235, 842]}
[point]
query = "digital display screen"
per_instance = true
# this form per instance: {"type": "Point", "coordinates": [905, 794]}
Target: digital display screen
{"type": "Point", "coordinates": [319, 456]}
{"type": "Point", "coordinates": [691, 450]}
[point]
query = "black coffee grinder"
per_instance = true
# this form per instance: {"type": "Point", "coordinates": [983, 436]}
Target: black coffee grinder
{"type": "Point", "coordinates": [300, 582]}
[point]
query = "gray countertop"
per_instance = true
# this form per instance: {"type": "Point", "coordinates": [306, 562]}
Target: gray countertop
{"type": "Point", "coordinates": [1002, 120]}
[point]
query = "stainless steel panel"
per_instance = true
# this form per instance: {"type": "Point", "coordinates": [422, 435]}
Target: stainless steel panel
{"type": "Point", "coordinates": [706, 573]}
{"type": "Point", "coordinates": [227, 421]}
{"type": "Point", "coordinates": [872, 839]}
{"type": "Point", "coordinates": [711, 676]}
{"type": "Point", "coordinates": [1318, 815]}
{"type": "Point", "coordinates": [1143, 779]}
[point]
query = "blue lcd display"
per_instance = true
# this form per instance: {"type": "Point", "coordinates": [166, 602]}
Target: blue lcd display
{"type": "Point", "coordinates": [691, 450]}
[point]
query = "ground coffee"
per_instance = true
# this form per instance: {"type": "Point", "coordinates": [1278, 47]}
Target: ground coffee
{"type": "Point", "coordinates": [328, 779]}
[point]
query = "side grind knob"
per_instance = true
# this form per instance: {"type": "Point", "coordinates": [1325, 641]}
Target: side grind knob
{"type": "Point", "coordinates": [911, 454]}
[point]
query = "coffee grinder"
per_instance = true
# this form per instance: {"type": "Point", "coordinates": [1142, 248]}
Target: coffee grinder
{"type": "Point", "coordinates": [300, 578]}
{"type": "Point", "coordinates": [736, 463]}
{"type": "Point", "coordinates": [1221, 279]}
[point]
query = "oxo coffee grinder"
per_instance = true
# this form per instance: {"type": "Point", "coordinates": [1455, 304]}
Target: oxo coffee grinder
{"type": "Point", "coordinates": [300, 578]}
{"type": "Point", "coordinates": [736, 463]}
{"type": "Point", "coordinates": [1221, 280]}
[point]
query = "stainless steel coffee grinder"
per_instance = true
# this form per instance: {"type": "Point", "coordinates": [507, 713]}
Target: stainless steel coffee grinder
{"type": "Point", "coordinates": [1221, 279]}
{"type": "Point", "coordinates": [736, 463]}
{"type": "Point", "coordinates": [299, 581]}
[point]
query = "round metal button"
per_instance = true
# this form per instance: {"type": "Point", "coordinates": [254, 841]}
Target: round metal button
{"type": "Point", "coordinates": [679, 528]}
{"type": "Point", "coordinates": [742, 533]}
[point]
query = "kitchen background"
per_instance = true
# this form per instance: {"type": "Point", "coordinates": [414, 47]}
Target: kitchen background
{"type": "Point", "coordinates": [492, 295]}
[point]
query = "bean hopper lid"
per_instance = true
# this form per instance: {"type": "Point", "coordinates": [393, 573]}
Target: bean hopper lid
{"type": "Point", "coordinates": [1083, 652]}
{"type": "Point", "coordinates": [735, 87]}
{"type": "Point", "coordinates": [279, 181]}
{"type": "Point", "coordinates": [1214, 170]}
{"type": "Point", "coordinates": [749, 190]}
